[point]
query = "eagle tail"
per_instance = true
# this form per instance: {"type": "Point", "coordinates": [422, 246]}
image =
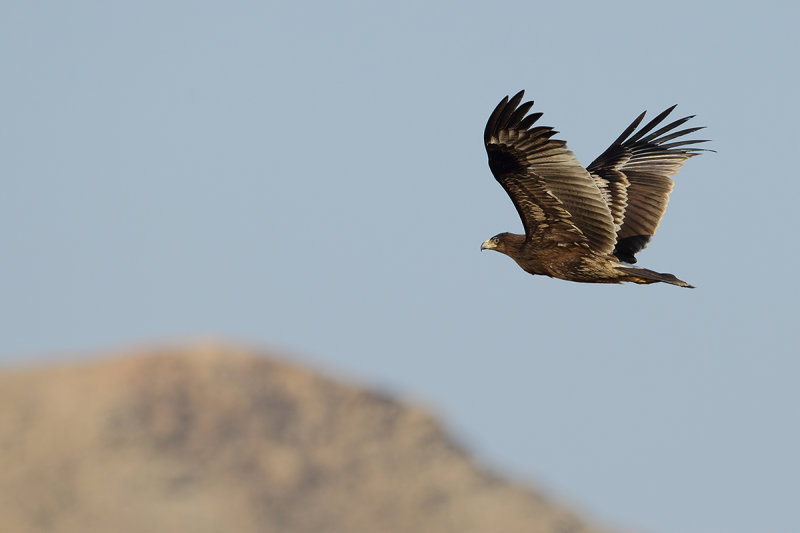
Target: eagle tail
{"type": "Point", "coordinates": [644, 275]}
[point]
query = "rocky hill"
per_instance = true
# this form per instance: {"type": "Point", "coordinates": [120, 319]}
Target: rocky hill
{"type": "Point", "coordinates": [218, 439]}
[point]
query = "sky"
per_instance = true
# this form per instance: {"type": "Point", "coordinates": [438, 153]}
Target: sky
{"type": "Point", "coordinates": [310, 177]}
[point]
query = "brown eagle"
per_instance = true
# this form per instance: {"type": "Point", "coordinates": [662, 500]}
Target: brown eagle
{"type": "Point", "coordinates": [584, 224]}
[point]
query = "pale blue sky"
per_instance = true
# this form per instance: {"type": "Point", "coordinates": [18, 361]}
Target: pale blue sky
{"type": "Point", "coordinates": [312, 177]}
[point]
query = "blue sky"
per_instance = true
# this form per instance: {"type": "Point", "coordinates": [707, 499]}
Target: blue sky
{"type": "Point", "coordinates": [312, 178]}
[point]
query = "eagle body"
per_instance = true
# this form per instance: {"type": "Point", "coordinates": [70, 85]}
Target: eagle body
{"type": "Point", "coordinates": [569, 261]}
{"type": "Point", "coordinates": [584, 224]}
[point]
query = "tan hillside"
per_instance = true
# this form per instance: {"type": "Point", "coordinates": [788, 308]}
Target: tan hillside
{"type": "Point", "coordinates": [216, 439]}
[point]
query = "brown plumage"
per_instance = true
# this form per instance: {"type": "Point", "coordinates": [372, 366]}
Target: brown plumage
{"type": "Point", "coordinates": [581, 224]}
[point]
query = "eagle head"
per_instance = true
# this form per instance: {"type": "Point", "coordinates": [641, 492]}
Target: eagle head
{"type": "Point", "coordinates": [496, 243]}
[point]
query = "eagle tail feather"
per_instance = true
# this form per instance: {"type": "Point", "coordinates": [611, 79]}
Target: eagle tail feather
{"type": "Point", "coordinates": [644, 275]}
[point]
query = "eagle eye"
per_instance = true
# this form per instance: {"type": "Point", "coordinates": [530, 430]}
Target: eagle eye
{"type": "Point", "coordinates": [496, 240]}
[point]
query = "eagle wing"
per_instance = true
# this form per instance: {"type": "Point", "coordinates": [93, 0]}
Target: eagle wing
{"type": "Point", "coordinates": [557, 199]}
{"type": "Point", "coordinates": [634, 175]}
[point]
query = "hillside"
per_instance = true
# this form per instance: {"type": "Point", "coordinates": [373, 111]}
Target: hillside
{"type": "Point", "coordinates": [217, 439]}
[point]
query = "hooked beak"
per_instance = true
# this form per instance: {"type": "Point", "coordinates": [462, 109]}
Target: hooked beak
{"type": "Point", "coordinates": [488, 244]}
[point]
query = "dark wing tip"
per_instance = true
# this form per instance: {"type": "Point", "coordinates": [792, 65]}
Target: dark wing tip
{"type": "Point", "coordinates": [491, 123]}
{"type": "Point", "coordinates": [650, 125]}
{"type": "Point", "coordinates": [630, 129]}
{"type": "Point", "coordinates": [648, 135]}
{"type": "Point", "coordinates": [510, 113]}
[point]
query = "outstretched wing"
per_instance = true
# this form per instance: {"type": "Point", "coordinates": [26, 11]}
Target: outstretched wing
{"type": "Point", "coordinates": [554, 195]}
{"type": "Point", "coordinates": [634, 174]}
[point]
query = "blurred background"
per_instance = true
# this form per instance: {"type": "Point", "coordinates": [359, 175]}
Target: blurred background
{"type": "Point", "coordinates": [311, 177]}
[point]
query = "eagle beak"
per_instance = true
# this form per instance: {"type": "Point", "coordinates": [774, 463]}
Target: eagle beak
{"type": "Point", "coordinates": [488, 245]}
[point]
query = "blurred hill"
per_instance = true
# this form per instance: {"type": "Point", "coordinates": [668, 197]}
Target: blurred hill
{"type": "Point", "coordinates": [219, 439]}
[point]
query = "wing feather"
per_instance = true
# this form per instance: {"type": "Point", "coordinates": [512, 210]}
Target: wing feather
{"type": "Point", "coordinates": [544, 179]}
{"type": "Point", "coordinates": [635, 173]}
{"type": "Point", "coordinates": [544, 217]}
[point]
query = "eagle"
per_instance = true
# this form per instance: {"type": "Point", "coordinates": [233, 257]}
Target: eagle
{"type": "Point", "coordinates": [584, 224]}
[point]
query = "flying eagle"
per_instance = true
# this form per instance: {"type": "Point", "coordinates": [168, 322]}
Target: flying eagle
{"type": "Point", "coordinates": [584, 224]}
